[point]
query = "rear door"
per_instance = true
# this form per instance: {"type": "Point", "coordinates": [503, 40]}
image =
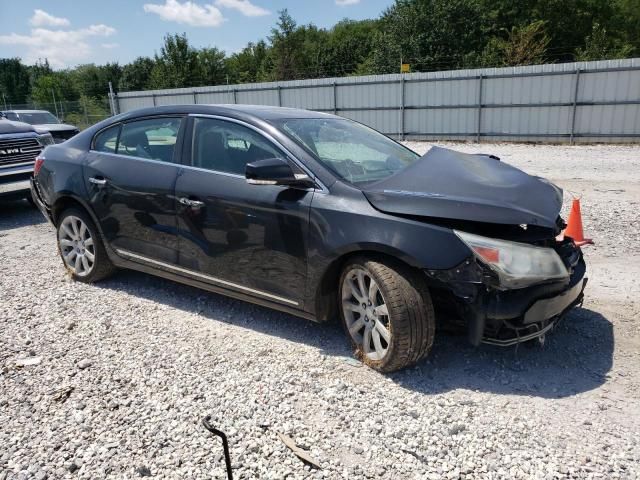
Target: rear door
{"type": "Point", "coordinates": [249, 238]}
{"type": "Point", "coordinates": [130, 176]}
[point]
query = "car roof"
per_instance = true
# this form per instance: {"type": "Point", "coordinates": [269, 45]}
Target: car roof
{"type": "Point", "coordinates": [261, 112]}
{"type": "Point", "coordinates": [27, 111]}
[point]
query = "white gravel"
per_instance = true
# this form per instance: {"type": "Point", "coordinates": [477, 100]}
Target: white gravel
{"type": "Point", "coordinates": [128, 368]}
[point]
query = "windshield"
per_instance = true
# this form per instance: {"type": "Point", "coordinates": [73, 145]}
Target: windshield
{"type": "Point", "coordinates": [37, 118]}
{"type": "Point", "coordinates": [352, 151]}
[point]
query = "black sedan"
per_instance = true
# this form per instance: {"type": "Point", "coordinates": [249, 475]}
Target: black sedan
{"type": "Point", "coordinates": [318, 216]}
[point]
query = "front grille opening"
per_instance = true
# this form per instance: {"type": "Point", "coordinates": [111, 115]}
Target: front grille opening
{"type": "Point", "coordinates": [18, 150]}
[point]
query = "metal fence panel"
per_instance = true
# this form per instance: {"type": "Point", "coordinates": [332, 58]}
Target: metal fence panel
{"type": "Point", "coordinates": [572, 102]}
{"type": "Point", "coordinates": [444, 122]}
{"type": "Point", "coordinates": [213, 97]}
{"type": "Point", "coordinates": [315, 98]}
{"type": "Point", "coordinates": [604, 86]}
{"type": "Point", "coordinates": [264, 97]}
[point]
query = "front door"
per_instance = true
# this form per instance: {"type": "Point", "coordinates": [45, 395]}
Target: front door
{"type": "Point", "coordinates": [248, 238]}
{"type": "Point", "coordinates": [130, 175]}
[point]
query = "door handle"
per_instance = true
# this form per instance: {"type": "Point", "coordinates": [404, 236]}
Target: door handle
{"type": "Point", "coordinates": [191, 203]}
{"type": "Point", "coordinates": [97, 181]}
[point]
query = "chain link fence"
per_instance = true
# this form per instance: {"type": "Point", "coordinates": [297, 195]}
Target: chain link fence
{"type": "Point", "coordinates": [82, 113]}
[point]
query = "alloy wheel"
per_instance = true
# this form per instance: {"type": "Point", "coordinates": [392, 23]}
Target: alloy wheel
{"type": "Point", "coordinates": [76, 245]}
{"type": "Point", "coordinates": [366, 314]}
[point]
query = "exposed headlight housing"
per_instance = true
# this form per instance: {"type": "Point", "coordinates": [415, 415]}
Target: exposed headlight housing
{"type": "Point", "coordinates": [517, 265]}
{"type": "Point", "coordinates": [45, 139]}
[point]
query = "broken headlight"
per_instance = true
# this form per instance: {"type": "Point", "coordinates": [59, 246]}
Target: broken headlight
{"type": "Point", "coordinates": [517, 264]}
{"type": "Point", "coordinates": [45, 139]}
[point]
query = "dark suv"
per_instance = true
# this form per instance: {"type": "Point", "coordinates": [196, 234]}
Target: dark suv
{"type": "Point", "coordinates": [44, 122]}
{"type": "Point", "coordinates": [20, 144]}
{"type": "Point", "coordinates": [318, 216]}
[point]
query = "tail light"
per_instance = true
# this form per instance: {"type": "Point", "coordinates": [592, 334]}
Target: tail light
{"type": "Point", "coordinates": [38, 165]}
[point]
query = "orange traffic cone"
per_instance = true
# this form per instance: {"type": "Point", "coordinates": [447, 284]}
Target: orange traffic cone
{"type": "Point", "coordinates": [574, 225]}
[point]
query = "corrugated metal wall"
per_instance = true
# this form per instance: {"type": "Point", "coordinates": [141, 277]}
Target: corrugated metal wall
{"type": "Point", "coordinates": [585, 101]}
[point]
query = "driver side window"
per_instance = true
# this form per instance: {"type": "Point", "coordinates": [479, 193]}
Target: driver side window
{"type": "Point", "coordinates": [153, 138]}
{"type": "Point", "coordinates": [227, 147]}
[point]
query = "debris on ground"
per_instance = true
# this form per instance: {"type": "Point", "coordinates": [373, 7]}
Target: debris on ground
{"type": "Point", "coordinates": [300, 453]}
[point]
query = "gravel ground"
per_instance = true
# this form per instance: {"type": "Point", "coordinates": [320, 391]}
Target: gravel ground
{"type": "Point", "coordinates": [112, 380]}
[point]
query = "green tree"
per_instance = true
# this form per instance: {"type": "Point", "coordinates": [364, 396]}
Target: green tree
{"type": "Point", "coordinates": [38, 69]}
{"type": "Point", "coordinates": [599, 45]}
{"type": "Point", "coordinates": [526, 45]}
{"type": "Point", "coordinates": [249, 64]}
{"type": "Point", "coordinates": [137, 74]}
{"type": "Point", "coordinates": [177, 64]}
{"type": "Point", "coordinates": [283, 47]}
{"type": "Point", "coordinates": [93, 80]}
{"type": "Point", "coordinates": [14, 81]}
{"type": "Point", "coordinates": [567, 23]}
{"type": "Point", "coordinates": [428, 34]}
{"type": "Point", "coordinates": [212, 69]}
{"type": "Point", "coordinates": [56, 84]}
{"type": "Point", "coordinates": [628, 18]}
{"type": "Point", "coordinates": [349, 46]}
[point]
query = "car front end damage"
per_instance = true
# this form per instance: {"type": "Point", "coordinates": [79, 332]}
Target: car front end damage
{"type": "Point", "coordinates": [513, 301]}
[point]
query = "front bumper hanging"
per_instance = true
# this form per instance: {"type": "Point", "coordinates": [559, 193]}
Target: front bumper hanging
{"type": "Point", "coordinates": [508, 317]}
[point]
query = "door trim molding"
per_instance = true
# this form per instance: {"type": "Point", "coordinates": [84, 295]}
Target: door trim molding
{"type": "Point", "coordinates": [209, 278]}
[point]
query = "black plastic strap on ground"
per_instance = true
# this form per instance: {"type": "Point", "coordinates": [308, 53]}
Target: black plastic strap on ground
{"type": "Point", "coordinates": [225, 444]}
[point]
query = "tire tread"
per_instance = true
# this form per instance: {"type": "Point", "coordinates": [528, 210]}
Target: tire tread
{"type": "Point", "coordinates": [410, 306]}
{"type": "Point", "coordinates": [103, 267]}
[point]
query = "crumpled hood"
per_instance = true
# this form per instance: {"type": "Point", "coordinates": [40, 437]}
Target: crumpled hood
{"type": "Point", "coordinates": [449, 184]}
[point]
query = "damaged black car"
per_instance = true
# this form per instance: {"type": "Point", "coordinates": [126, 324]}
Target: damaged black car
{"type": "Point", "coordinates": [317, 216]}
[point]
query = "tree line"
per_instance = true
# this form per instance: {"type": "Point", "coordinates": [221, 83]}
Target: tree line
{"type": "Point", "coordinates": [426, 34]}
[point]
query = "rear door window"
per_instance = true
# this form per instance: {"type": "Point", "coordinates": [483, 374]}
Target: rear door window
{"type": "Point", "coordinates": [107, 140]}
{"type": "Point", "coordinates": [152, 138]}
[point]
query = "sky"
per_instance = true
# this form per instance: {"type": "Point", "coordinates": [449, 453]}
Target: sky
{"type": "Point", "coordinates": [73, 32]}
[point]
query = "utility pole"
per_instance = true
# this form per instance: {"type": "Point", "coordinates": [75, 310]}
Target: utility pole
{"type": "Point", "coordinates": [55, 105]}
{"type": "Point", "coordinates": [112, 100]}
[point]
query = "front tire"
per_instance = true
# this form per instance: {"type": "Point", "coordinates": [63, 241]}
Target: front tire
{"type": "Point", "coordinates": [387, 312]}
{"type": "Point", "coordinates": [80, 247]}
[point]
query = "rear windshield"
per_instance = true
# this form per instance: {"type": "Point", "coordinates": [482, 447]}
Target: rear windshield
{"type": "Point", "coordinates": [352, 151]}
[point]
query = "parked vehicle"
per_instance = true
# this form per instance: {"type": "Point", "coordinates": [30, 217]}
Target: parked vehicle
{"type": "Point", "coordinates": [44, 122]}
{"type": "Point", "coordinates": [19, 146]}
{"type": "Point", "coordinates": [318, 216]}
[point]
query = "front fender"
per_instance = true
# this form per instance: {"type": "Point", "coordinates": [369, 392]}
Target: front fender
{"type": "Point", "coordinates": [340, 228]}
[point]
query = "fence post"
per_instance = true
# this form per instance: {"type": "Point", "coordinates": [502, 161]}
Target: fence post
{"type": "Point", "coordinates": [195, 97]}
{"type": "Point", "coordinates": [86, 114]}
{"type": "Point", "coordinates": [479, 127]}
{"type": "Point", "coordinates": [279, 96]}
{"type": "Point", "coordinates": [401, 106]}
{"type": "Point", "coordinates": [114, 103]}
{"type": "Point", "coordinates": [235, 96]}
{"type": "Point", "coordinates": [153, 99]}
{"type": "Point", "coordinates": [575, 105]}
{"type": "Point", "coordinates": [335, 98]}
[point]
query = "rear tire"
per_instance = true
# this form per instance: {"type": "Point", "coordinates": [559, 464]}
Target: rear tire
{"type": "Point", "coordinates": [387, 312]}
{"type": "Point", "coordinates": [80, 247]}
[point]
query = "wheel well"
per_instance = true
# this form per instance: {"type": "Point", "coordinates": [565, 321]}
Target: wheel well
{"type": "Point", "coordinates": [62, 204]}
{"type": "Point", "coordinates": [326, 303]}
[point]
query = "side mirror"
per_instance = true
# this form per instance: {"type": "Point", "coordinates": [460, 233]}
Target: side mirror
{"type": "Point", "coordinates": [275, 171]}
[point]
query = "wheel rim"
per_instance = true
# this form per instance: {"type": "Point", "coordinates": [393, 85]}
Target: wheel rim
{"type": "Point", "coordinates": [76, 245]}
{"type": "Point", "coordinates": [366, 314]}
